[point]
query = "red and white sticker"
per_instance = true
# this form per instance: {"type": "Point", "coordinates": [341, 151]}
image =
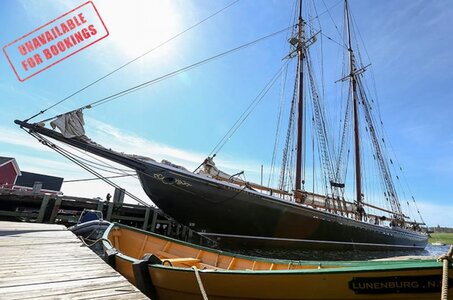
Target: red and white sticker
{"type": "Point", "coordinates": [55, 41]}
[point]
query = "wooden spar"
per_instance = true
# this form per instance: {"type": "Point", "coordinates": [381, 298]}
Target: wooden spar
{"type": "Point", "coordinates": [300, 114]}
{"type": "Point", "coordinates": [348, 202]}
{"type": "Point", "coordinates": [368, 214]}
{"type": "Point", "coordinates": [252, 185]}
{"type": "Point", "coordinates": [383, 209]}
{"type": "Point", "coordinates": [358, 175]}
{"type": "Point", "coordinates": [285, 193]}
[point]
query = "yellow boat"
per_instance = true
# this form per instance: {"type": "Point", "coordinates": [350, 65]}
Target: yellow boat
{"type": "Point", "coordinates": [166, 268]}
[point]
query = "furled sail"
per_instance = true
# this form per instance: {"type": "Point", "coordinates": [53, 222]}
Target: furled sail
{"type": "Point", "coordinates": [70, 124]}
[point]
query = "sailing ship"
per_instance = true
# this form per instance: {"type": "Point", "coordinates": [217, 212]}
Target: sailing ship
{"type": "Point", "coordinates": [239, 214]}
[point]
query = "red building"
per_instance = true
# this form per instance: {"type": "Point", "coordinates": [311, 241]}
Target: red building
{"type": "Point", "coordinates": [11, 177]}
{"type": "Point", "coordinates": [9, 171]}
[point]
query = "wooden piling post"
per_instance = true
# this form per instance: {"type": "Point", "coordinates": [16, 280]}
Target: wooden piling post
{"type": "Point", "coordinates": [100, 205]}
{"type": "Point", "coordinates": [184, 233]}
{"type": "Point", "coordinates": [55, 210]}
{"type": "Point", "coordinates": [109, 211]}
{"type": "Point", "coordinates": [42, 209]}
{"type": "Point", "coordinates": [169, 228]}
{"type": "Point", "coordinates": [154, 221]}
{"type": "Point", "coordinates": [146, 220]}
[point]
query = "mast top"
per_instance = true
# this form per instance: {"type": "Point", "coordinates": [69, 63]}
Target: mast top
{"type": "Point", "coordinates": [300, 10]}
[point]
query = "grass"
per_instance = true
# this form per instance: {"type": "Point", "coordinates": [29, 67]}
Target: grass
{"type": "Point", "coordinates": [446, 238]}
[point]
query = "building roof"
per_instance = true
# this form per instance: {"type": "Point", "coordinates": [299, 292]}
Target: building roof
{"type": "Point", "coordinates": [51, 183]}
{"type": "Point", "coordinates": [5, 160]}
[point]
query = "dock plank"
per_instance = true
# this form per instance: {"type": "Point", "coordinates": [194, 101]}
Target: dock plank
{"type": "Point", "coordinates": [46, 261]}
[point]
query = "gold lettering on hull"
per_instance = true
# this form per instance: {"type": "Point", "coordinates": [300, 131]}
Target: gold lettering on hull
{"type": "Point", "coordinates": [170, 180]}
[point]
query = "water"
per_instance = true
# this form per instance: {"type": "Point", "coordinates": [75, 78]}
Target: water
{"type": "Point", "coordinates": [430, 250]}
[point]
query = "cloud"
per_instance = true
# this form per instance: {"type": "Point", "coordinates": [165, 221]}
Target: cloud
{"type": "Point", "coordinates": [436, 214]}
{"type": "Point", "coordinates": [108, 135]}
{"type": "Point", "coordinates": [35, 10]}
{"type": "Point", "coordinates": [12, 137]}
{"type": "Point", "coordinates": [97, 188]}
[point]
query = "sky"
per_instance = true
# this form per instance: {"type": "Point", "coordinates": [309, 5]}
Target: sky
{"type": "Point", "coordinates": [181, 119]}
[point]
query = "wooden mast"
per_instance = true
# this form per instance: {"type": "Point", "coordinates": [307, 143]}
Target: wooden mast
{"type": "Point", "coordinates": [300, 114]}
{"type": "Point", "coordinates": [358, 175]}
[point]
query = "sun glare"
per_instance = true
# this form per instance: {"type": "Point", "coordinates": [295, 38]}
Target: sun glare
{"type": "Point", "coordinates": [137, 26]}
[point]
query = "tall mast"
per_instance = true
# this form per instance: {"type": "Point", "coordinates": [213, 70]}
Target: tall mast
{"type": "Point", "coordinates": [300, 113]}
{"type": "Point", "coordinates": [358, 175]}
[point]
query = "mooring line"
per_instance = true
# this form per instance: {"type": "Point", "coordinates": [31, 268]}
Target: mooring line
{"type": "Point", "coordinates": [200, 283]}
{"type": "Point", "coordinates": [446, 260]}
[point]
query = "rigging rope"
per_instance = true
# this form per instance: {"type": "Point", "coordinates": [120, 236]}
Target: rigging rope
{"type": "Point", "coordinates": [174, 73]}
{"type": "Point", "coordinates": [101, 162]}
{"type": "Point", "coordinates": [279, 124]}
{"type": "Point", "coordinates": [96, 178]}
{"type": "Point", "coordinates": [331, 18]}
{"type": "Point", "coordinates": [247, 112]}
{"type": "Point", "coordinates": [326, 36]}
{"type": "Point", "coordinates": [135, 59]}
{"type": "Point", "coordinates": [69, 156]}
{"type": "Point", "coordinates": [109, 167]}
{"type": "Point", "coordinates": [97, 165]}
{"type": "Point", "coordinates": [326, 11]}
{"type": "Point", "coordinates": [287, 157]}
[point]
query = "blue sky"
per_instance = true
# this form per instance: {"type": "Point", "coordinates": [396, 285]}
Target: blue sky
{"type": "Point", "coordinates": [181, 119]}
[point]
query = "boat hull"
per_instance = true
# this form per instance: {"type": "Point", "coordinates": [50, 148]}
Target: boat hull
{"type": "Point", "coordinates": [177, 283]}
{"type": "Point", "coordinates": [173, 275]}
{"type": "Point", "coordinates": [91, 229]}
{"type": "Point", "coordinates": [240, 218]}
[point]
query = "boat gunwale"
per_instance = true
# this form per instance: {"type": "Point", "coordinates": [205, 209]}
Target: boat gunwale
{"type": "Point", "coordinates": [334, 266]}
{"type": "Point", "coordinates": [374, 268]}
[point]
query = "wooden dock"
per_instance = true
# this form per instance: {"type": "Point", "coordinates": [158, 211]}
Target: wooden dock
{"type": "Point", "coordinates": [28, 206]}
{"type": "Point", "coordinates": [46, 261]}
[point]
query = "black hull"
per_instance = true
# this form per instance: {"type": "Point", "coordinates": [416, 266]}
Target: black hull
{"type": "Point", "coordinates": [236, 217]}
{"type": "Point", "coordinates": [240, 218]}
